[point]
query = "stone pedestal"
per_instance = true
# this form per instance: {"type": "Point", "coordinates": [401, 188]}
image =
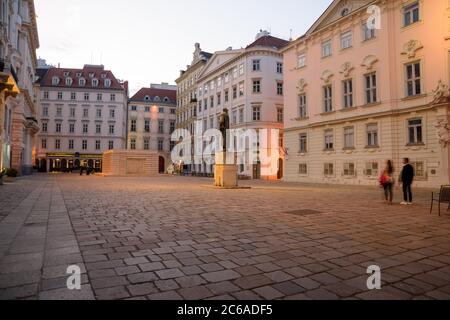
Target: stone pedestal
{"type": "Point", "coordinates": [225, 175]}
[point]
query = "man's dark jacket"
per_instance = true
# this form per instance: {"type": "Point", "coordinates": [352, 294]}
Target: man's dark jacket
{"type": "Point", "coordinates": [407, 176]}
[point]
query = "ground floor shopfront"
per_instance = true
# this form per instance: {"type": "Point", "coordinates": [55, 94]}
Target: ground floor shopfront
{"type": "Point", "coordinates": [67, 162]}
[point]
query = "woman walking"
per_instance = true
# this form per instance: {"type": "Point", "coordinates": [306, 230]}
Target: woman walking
{"type": "Point", "coordinates": [387, 182]}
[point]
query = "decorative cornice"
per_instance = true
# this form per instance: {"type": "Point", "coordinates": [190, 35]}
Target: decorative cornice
{"type": "Point", "coordinates": [369, 61]}
{"type": "Point", "coordinates": [346, 69]}
{"type": "Point", "coordinates": [411, 47]}
{"type": "Point", "coordinates": [326, 76]}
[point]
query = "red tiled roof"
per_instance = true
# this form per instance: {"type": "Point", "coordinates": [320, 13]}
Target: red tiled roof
{"type": "Point", "coordinates": [98, 73]}
{"type": "Point", "coordinates": [269, 41]}
{"type": "Point", "coordinates": [151, 93]}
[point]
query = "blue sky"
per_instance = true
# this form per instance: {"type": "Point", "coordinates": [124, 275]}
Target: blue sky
{"type": "Point", "coordinates": [150, 41]}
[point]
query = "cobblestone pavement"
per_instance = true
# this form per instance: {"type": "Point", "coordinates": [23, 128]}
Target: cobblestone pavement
{"type": "Point", "coordinates": [178, 238]}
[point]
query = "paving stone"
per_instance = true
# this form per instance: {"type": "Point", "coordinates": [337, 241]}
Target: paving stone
{"type": "Point", "coordinates": [268, 293]}
{"type": "Point", "coordinates": [109, 282]}
{"type": "Point", "coordinates": [142, 289]}
{"type": "Point", "coordinates": [142, 277]}
{"type": "Point", "coordinates": [165, 296]}
{"type": "Point", "coordinates": [250, 282]}
{"type": "Point", "coordinates": [220, 276]}
{"type": "Point", "coordinates": [169, 273]}
{"type": "Point", "coordinates": [191, 281]}
{"type": "Point", "coordinates": [112, 293]}
{"type": "Point", "coordinates": [65, 294]}
{"type": "Point", "coordinates": [195, 293]}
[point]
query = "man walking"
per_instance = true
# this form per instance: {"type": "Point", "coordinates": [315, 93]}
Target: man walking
{"type": "Point", "coordinates": [407, 178]}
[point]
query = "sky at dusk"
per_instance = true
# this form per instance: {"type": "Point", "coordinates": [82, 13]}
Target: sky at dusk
{"type": "Point", "coordinates": [150, 41]}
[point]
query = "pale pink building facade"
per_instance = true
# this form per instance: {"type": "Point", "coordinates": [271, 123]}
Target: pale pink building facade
{"type": "Point", "coordinates": [356, 97]}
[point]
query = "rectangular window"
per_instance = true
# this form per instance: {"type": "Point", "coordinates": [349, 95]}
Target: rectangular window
{"type": "Point", "coordinates": [241, 115]}
{"type": "Point", "coordinates": [111, 129]}
{"type": "Point", "coordinates": [172, 126]}
{"type": "Point", "coordinates": [301, 62]}
{"type": "Point", "coordinates": [85, 113]}
{"type": "Point", "coordinates": [73, 96]}
{"type": "Point", "coordinates": [329, 140]}
{"type": "Point", "coordinates": [112, 113]}
{"type": "Point", "coordinates": [86, 96]}
{"type": "Point", "coordinates": [226, 96]}
{"type": "Point", "coordinates": [133, 125]}
{"type": "Point", "coordinates": [110, 145]}
{"type": "Point", "coordinates": [371, 169]}
{"type": "Point", "coordinates": [113, 97]}
{"type": "Point", "coordinates": [133, 144]}
{"type": "Point", "coordinates": [328, 169]}
{"type": "Point", "coordinates": [303, 143]}
{"type": "Point", "coordinates": [46, 95]}
{"type": "Point", "coordinates": [349, 169]}
{"type": "Point", "coordinates": [279, 67]}
{"type": "Point", "coordinates": [85, 128]}
{"type": "Point", "coordinates": [71, 127]}
{"type": "Point", "coordinates": [256, 86]}
{"type": "Point", "coordinates": [160, 144]}
{"type": "Point", "coordinates": [280, 115]}
{"type": "Point", "coordinates": [346, 40]}
{"type": "Point", "coordinates": [372, 135]}
{"type": "Point", "coordinates": [302, 108]}
{"type": "Point", "coordinates": [413, 79]}
{"type": "Point", "coordinates": [98, 128]}
{"type": "Point", "coordinates": [326, 49]}
{"type": "Point", "coordinates": [57, 144]}
{"type": "Point", "coordinates": [71, 144]}
{"type": "Point", "coordinates": [45, 111]}
{"type": "Point", "coordinates": [327, 98]}
{"type": "Point", "coordinates": [72, 112]}
{"type": "Point", "coordinates": [256, 65]}
{"type": "Point", "coordinates": [99, 113]}
{"type": "Point", "coordinates": [44, 127]}
{"type": "Point", "coordinates": [411, 14]}
{"type": "Point", "coordinates": [241, 89]}
{"type": "Point", "coordinates": [303, 168]}
{"type": "Point", "coordinates": [161, 110]}
{"type": "Point", "coordinates": [279, 88]}
{"type": "Point", "coordinates": [234, 118]}
{"type": "Point", "coordinates": [257, 113]}
{"type": "Point", "coordinates": [160, 126]}
{"type": "Point", "coordinates": [348, 93]}
{"type": "Point", "coordinates": [415, 131]}
{"type": "Point", "coordinates": [97, 145]}
{"type": "Point", "coordinates": [349, 138]}
{"type": "Point", "coordinates": [58, 128]}
{"type": "Point", "coordinates": [59, 112]}
{"type": "Point", "coordinates": [241, 69]}
{"type": "Point", "coordinates": [146, 144]}
{"type": "Point", "coordinates": [147, 126]}
{"type": "Point", "coordinates": [60, 95]}
{"type": "Point", "coordinates": [368, 33]}
{"type": "Point", "coordinates": [219, 99]}
{"type": "Point", "coordinates": [371, 88]}
{"type": "Point", "coordinates": [419, 169]}
{"type": "Point", "coordinates": [234, 92]}
{"type": "Point", "coordinates": [211, 102]}
{"type": "Point", "coordinates": [44, 143]}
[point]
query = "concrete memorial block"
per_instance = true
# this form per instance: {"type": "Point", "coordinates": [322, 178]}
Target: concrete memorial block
{"type": "Point", "coordinates": [130, 162]}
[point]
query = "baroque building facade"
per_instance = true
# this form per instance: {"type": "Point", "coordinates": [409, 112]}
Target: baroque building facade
{"type": "Point", "coordinates": [83, 113]}
{"type": "Point", "coordinates": [367, 83]}
{"type": "Point", "coordinates": [18, 97]}
{"type": "Point", "coordinates": [248, 83]}
{"type": "Point", "coordinates": [187, 99]}
{"type": "Point", "coordinates": [152, 120]}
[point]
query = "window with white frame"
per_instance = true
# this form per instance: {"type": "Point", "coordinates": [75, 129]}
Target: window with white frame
{"type": "Point", "coordinates": [44, 127]}
{"type": "Point", "coordinates": [301, 61]}
{"type": "Point", "coordinates": [371, 169]}
{"type": "Point", "coordinates": [71, 144]}
{"type": "Point", "coordinates": [147, 125]}
{"type": "Point", "coordinates": [59, 112]}
{"type": "Point", "coordinates": [55, 81]}
{"type": "Point", "coordinates": [327, 98]}
{"type": "Point", "coordinates": [111, 129]}
{"type": "Point", "coordinates": [326, 49]}
{"type": "Point", "coordinates": [411, 14]}
{"type": "Point", "coordinates": [280, 88]}
{"type": "Point", "coordinates": [46, 95]}
{"type": "Point", "coordinates": [280, 115]}
{"type": "Point", "coordinates": [302, 107]}
{"type": "Point", "coordinates": [241, 115]}
{"type": "Point", "coordinates": [58, 127]}
{"type": "Point", "coordinates": [256, 65]}
{"type": "Point", "coordinates": [133, 144]}
{"type": "Point", "coordinates": [85, 128]}
{"type": "Point", "coordinates": [72, 112]}
{"type": "Point", "coordinates": [349, 138]}
{"type": "Point", "coordinates": [99, 113]}
{"type": "Point", "coordinates": [241, 89]}
{"type": "Point", "coordinates": [97, 144]}
{"type": "Point", "coordinates": [328, 169]}
{"type": "Point", "coordinates": [346, 40]}
{"type": "Point", "coordinates": [160, 144]}
{"type": "Point", "coordinates": [98, 128]}
{"type": "Point", "coordinates": [60, 95]}
{"type": "Point", "coordinates": [415, 131]}
{"type": "Point", "coordinates": [349, 169]}
{"type": "Point", "coordinates": [99, 97]}
{"type": "Point", "coordinates": [348, 93]}
{"type": "Point", "coordinates": [256, 113]}
{"type": "Point", "coordinates": [413, 79]}
{"type": "Point", "coordinates": [85, 113]}
{"type": "Point", "coordinates": [81, 82]}
{"type": "Point", "coordinates": [73, 96]}
{"type": "Point", "coordinates": [146, 144]}
{"type": "Point", "coordinates": [419, 169]}
{"type": "Point", "coordinates": [45, 111]}
{"type": "Point", "coordinates": [107, 83]}
{"type": "Point", "coordinates": [241, 69]}
{"type": "Point", "coordinates": [86, 96]}
{"type": "Point", "coordinates": [69, 81]}
{"type": "Point", "coordinates": [57, 144]}
{"type": "Point", "coordinates": [372, 135]}
{"type": "Point", "coordinates": [113, 97]}
{"type": "Point", "coordinates": [303, 143]}
{"type": "Point", "coordinates": [133, 126]}
{"type": "Point", "coordinates": [256, 86]}
{"type": "Point", "coordinates": [329, 140]}
{"type": "Point", "coordinates": [371, 88]}
{"type": "Point", "coordinates": [110, 145]}
{"type": "Point", "coordinates": [72, 127]}
{"type": "Point", "coordinates": [279, 67]}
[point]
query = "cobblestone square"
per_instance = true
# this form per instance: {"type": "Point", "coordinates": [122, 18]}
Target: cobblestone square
{"type": "Point", "coordinates": [178, 238]}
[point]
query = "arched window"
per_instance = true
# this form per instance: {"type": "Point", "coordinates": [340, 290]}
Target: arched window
{"type": "Point", "coordinates": [107, 83]}
{"type": "Point", "coordinates": [95, 82]}
{"type": "Point", "coordinates": [69, 81]}
{"type": "Point", "coordinates": [82, 82]}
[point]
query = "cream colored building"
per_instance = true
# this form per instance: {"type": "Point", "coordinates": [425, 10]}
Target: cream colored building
{"type": "Point", "coordinates": [249, 83]}
{"type": "Point", "coordinates": [187, 95]}
{"type": "Point", "coordinates": [18, 99]}
{"type": "Point", "coordinates": [356, 97]}
{"type": "Point", "coordinates": [152, 120]}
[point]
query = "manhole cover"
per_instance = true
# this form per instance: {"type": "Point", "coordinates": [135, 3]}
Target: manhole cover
{"type": "Point", "coordinates": [304, 212]}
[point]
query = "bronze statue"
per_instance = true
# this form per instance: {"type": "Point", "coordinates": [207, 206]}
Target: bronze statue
{"type": "Point", "coordinates": [224, 125]}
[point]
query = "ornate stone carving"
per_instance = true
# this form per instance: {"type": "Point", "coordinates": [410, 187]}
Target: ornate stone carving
{"type": "Point", "coordinates": [443, 132]}
{"type": "Point", "coordinates": [441, 93]}
{"type": "Point", "coordinates": [326, 76]}
{"type": "Point", "coordinates": [369, 61]}
{"type": "Point", "coordinates": [301, 85]}
{"type": "Point", "coordinates": [346, 68]}
{"type": "Point", "coordinates": [411, 47]}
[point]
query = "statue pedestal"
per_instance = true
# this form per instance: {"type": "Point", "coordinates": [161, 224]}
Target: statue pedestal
{"type": "Point", "coordinates": [225, 175]}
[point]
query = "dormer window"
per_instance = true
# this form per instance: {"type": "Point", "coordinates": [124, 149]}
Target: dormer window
{"type": "Point", "coordinates": [95, 82]}
{"type": "Point", "coordinates": [78, 74]}
{"type": "Point", "coordinates": [146, 98]}
{"type": "Point", "coordinates": [157, 98]}
{"type": "Point", "coordinates": [66, 74]}
{"type": "Point", "coordinates": [91, 74]}
{"type": "Point", "coordinates": [82, 82]}
{"type": "Point", "coordinates": [166, 99]}
{"type": "Point", "coordinates": [55, 81]}
{"type": "Point", "coordinates": [107, 83]}
{"type": "Point", "coordinates": [103, 75]}
{"type": "Point", "coordinates": [69, 81]}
